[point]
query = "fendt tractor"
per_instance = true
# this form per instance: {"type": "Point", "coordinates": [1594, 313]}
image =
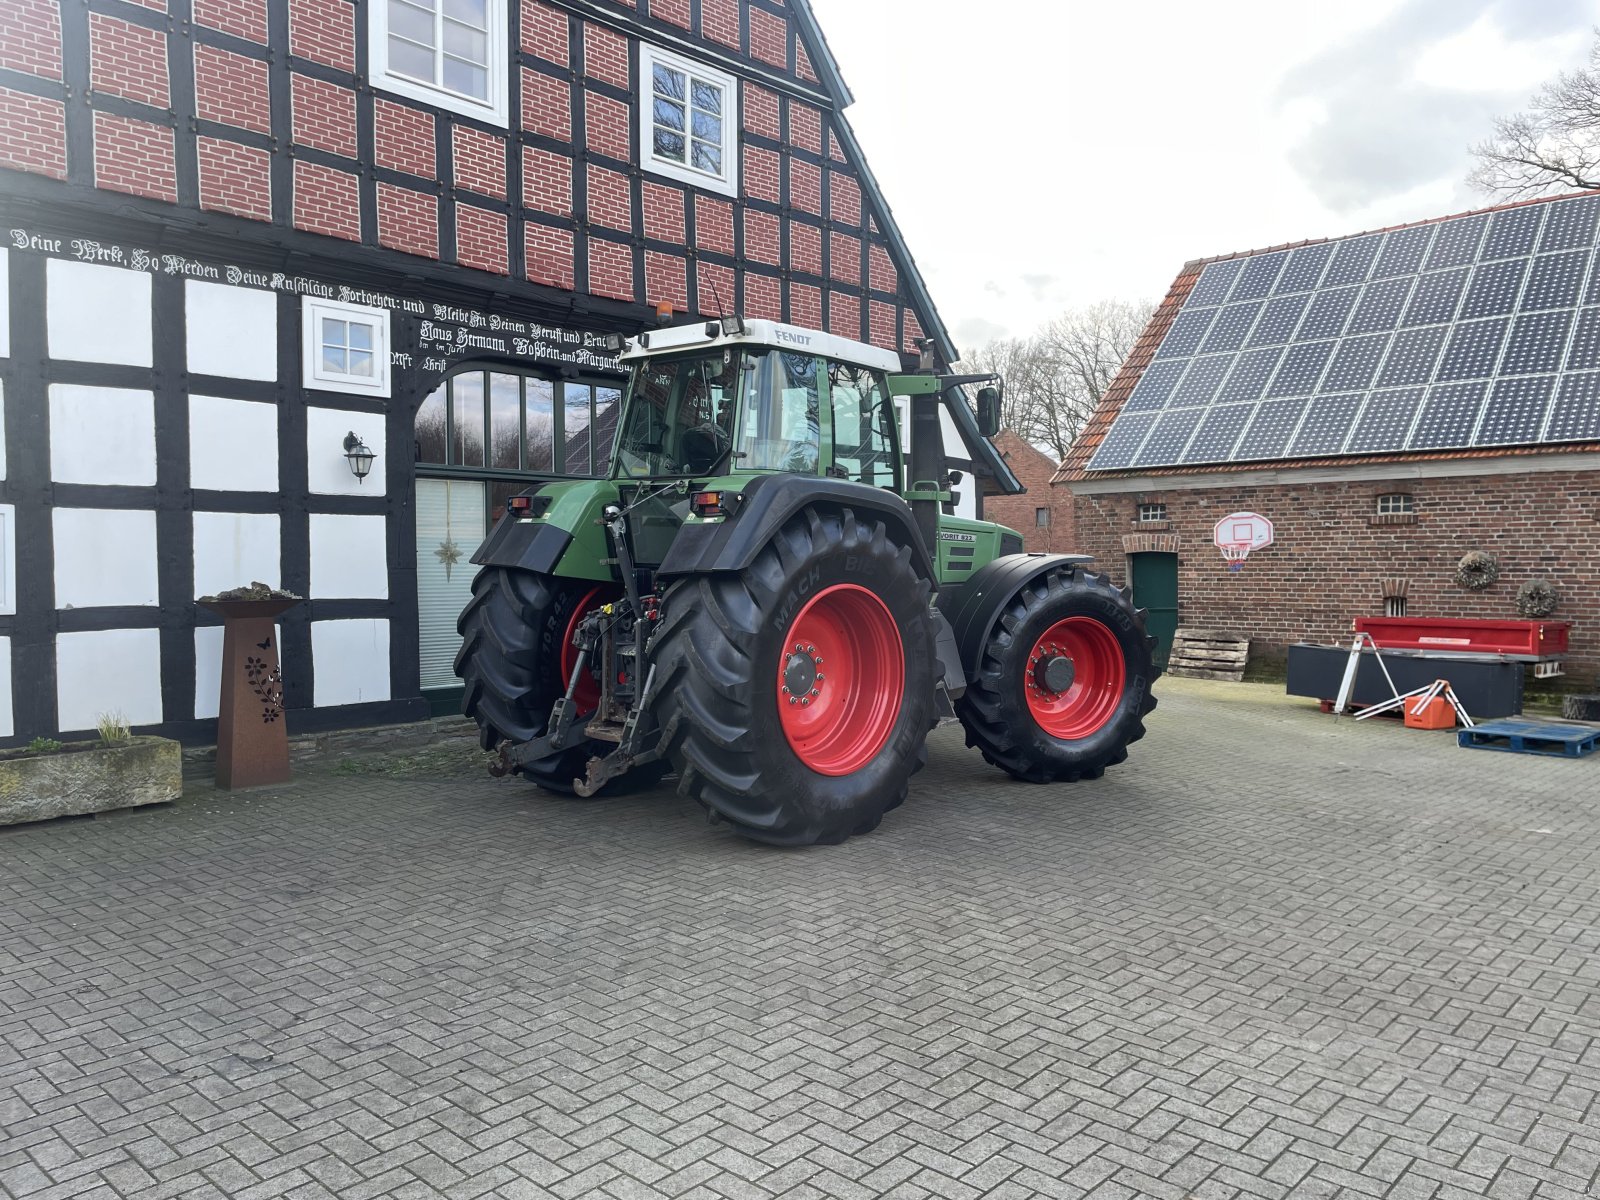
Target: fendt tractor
{"type": "Point", "coordinates": [773, 598]}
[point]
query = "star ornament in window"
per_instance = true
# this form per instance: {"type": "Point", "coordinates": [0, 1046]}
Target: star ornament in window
{"type": "Point", "coordinates": [449, 554]}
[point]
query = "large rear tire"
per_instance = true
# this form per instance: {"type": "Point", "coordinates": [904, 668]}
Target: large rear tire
{"type": "Point", "coordinates": [515, 659]}
{"type": "Point", "coordinates": [1063, 685]}
{"type": "Point", "coordinates": [795, 697]}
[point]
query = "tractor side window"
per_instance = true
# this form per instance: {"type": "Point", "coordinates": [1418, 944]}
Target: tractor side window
{"type": "Point", "coordinates": [863, 446]}
{"type": "Point", "coordinates": [782, 428]}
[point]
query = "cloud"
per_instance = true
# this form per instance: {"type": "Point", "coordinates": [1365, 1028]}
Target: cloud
{"type": "Point", "coordinates": [972, 332]}
{"type": "Point", "coordinates": [1384, 131]}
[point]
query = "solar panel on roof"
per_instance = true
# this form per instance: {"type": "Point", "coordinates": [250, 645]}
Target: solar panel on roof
{"type": "Point", "coordinates": [1481, 330]}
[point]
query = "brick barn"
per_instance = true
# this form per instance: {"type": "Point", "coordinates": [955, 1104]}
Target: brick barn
{"type": "Point", "coordinates": [1042, 514]}
{"type": "Point", "coordinates": [238, 231]}
{"type": "Point", "coordinates": [1390, 401]}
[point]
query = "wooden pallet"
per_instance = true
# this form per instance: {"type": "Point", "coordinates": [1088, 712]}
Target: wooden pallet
{"type": "Point", "coordinates": [1208, 654]}
{"type": "Point", "coordinates": [1532, 737]}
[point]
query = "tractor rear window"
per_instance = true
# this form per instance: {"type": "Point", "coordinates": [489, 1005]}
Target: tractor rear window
{"type": "Point", "coordinates": [679, 418]}
{"type": "Point", "coordinates": [782, 430]}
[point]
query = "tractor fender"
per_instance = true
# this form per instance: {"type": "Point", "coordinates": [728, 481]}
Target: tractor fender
{"type": "Point", "coordinates": [765, 503]}
{"type": "Point", "coordinates": [973, 607]}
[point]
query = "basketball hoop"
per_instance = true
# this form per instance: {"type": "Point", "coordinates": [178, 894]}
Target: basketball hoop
{"type": "Point", "coordinates": [1239, 533]}
{"type": "Point", "coordinates": [1234, 554]}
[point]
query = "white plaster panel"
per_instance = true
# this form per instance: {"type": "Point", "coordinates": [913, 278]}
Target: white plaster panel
{"type": "Point", "coordinates": [7, 728]}
{"type": "Point", "coordinates": [8, 559]}
{"type": "Point", "coordinates": [105, 556]}
{"type": "Point", "coordinates": [208, 669]}
{"type": "Point", "coordinates": [96, 313]}
{"type": "Point", "coordinates": [351, 662]}
{"type": "Point", "coordinates": [233, 445]}
{"type": "Point", "coordinates": [327, 470]}
{"type": "Point", "coordinates": [106, 671]}
{"type": "Point", "coordinates": [234, 550]}
{"type": "Point", "coordinates": [102, 435]}
{"type": "Point", "coordinates": [232, 331]}
{"type": "Point", "coordinates": [349, 558]}
{"type": "Point", "coordinates": [5, 303]}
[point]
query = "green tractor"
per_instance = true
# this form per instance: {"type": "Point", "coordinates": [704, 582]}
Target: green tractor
{"type": "Point", "coordinates": [770, 597]}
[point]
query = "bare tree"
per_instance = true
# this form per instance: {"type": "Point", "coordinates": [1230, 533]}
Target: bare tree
{"type": "Point", "coordinates": [1056, 375]}
{"type": "Point", "coordinates": [1554, 144]}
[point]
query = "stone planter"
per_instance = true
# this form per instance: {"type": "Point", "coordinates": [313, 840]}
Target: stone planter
{"type": "Point", "coordinates": [86, 777]}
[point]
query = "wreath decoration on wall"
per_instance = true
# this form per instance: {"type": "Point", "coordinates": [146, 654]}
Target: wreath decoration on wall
{"type": "Point", "coordinates": [1537, 598]}
{"type": "Point", "coordinates": [1477, 570]}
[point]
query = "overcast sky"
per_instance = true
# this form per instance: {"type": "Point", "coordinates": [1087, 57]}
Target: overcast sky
{"type": "Point", "coordinates": [1045, 153]}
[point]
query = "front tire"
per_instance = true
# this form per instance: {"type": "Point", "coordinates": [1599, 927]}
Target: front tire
{"type": "Point", "coordinates": [795, 697]}
{"type": "Point", "coordinates": [1063, 685]}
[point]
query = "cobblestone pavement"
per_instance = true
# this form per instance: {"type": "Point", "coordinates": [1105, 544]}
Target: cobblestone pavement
{"type": "Point", "coordinates": [1274, 954]}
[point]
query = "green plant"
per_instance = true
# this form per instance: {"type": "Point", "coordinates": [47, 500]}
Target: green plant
{"type": "Point", "coordinates": [44, 745]}
{"type": "Point", "coordinates": [113, 727]}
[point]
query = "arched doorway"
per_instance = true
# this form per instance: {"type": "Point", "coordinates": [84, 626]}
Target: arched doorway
{"type": "Point", "coordinates": [484, 434]}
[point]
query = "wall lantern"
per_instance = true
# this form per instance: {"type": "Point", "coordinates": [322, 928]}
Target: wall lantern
{"type": "Point", "coordinates": [359, 456]}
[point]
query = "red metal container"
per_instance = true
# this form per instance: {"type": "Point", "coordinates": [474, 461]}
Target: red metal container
{"type": "Point", "coordinates": [1533, 639]}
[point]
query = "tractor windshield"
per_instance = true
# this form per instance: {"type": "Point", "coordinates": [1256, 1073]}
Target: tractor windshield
{"type": "Point", "coordinates": [680, 415]}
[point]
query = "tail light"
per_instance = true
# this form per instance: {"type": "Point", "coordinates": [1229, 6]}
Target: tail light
{"type": "Point", "coordinates": [707, 504]}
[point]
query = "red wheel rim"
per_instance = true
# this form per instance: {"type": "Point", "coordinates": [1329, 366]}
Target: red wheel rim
{"type": "Point", "coordinates": [587, 697]}
{"type": "Point", "coordinates": [841, 680]}
{"type": "Point", "coordinates": [1071, 702]}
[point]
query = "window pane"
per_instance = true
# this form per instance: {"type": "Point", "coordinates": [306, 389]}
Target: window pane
{"type": "Point", "coordinates": [466, 42]}
{"type": "Point", "coordinates": [505, 422]}
{"type": "Point", "coordinates": [473, 12]}
{"type": "Point", "coordinates": [541, 425]}
{"type": "Point", "coordinates": [406, 59]}
{"type": "Point", "coordinates": [861, 439]}
{"type": "Point", "coordinates": [467, 410]}
{"type": "Point", "coordinates": [466, 79]}
{"type": "Point", "coordinates": [360, 363]}
{"type": "Point", "coordinates": [708, 97]}
{"type": "Point", "coordinates": [669, 115]}
{"type": "Point", "coordinates": [333, 333]}
{"type": "Point", "coordinates": [430, 435]}
{"type": "Point", "coordinates": [707, 158]}
{"type": "Point", "coordinates": [607, 408]}
{"type": "Point", "coordinates": [333, 360]}
{"type": "Point", "coordinates": [708, 126]}
{"type": "Point", "coordinates": [669, 145]}
{"type": "Point", "coordinates": [410, 22]}
{"type": "Point", "coordinates": [360, 336]}
{"type": "Point", "coordinates": [669, 82]}
{"type": "Point", "coordinates": [578, 399]}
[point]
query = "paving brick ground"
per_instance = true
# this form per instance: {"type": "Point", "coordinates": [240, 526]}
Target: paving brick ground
{"type": "Point", "coordinates": [1272, 955]}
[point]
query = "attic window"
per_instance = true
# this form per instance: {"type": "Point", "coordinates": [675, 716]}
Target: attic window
{"type": "Point", "coordinates": [693, 116]}
{"type": "Point", "coordinates": [1152, 512]}
{"type": "Point", "coordinates": [451, 54]}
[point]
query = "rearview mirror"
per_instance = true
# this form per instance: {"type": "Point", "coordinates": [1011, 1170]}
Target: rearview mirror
{"type": "Point", "coordinates": [988, 411]}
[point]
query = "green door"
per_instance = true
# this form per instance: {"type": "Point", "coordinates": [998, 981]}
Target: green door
{"type": "Point", "coordinates": [1155, 587]}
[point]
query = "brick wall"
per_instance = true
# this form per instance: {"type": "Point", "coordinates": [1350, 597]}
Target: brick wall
{"type": "Point", "coordinates": [1331, 550]}
{"type": "Point", "coordinates": [560, 199]}
{"type": "Point", "coordinates": [1033, 468]}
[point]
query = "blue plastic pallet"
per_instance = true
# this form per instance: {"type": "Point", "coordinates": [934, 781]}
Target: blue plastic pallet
{"type": "Point", "coordinates": [1532, 737]}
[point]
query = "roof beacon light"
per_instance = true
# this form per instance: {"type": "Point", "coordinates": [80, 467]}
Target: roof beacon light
{"type": "Point", "coordinates": [664, 312]}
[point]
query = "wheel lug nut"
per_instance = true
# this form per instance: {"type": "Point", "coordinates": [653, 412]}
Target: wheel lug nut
{"type": "Point", "coordinates": [820, 676]}
{"type": "Point", "coordinates": [805, 700]}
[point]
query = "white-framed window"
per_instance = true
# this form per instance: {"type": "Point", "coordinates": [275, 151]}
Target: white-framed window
{"type": "Point", "coordinates": [1152, 512]}
{"type": "Point", "coordinates": [345, 347]}
{"type": "Point", "coordinates": [1041, 517]}
{"type": "Point", "coordinates": [453, 54]}
{"type": "Point", "coordinates": [1395, 504]}
{"type": "Point", "coordinates": [8, 560]}
{"type": "Point", "coordinates": [688, 126]}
